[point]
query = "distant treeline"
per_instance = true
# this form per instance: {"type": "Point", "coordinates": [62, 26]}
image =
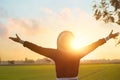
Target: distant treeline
{"type": "Point", "coordinates": [115, 61]}
{"type": "Point", "coordinates": [49, 61]}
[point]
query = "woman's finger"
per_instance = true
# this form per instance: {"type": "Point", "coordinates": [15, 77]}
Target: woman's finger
{"type": "Point", "coordinates": [17, 36]}
{"type": "Point", "coordinates": [11, 38]}
{"type": "Point", "coordinates": [111, 32]}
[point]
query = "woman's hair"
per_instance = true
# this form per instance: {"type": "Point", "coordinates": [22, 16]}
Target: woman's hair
{"type": "Point", "coordinates": [63, 40]}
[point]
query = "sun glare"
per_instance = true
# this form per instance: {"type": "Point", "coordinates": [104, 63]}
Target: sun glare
{"type": "Point", "coordinates": [79, 43]}
{"type": "Point", "coordinates": [75, 44]}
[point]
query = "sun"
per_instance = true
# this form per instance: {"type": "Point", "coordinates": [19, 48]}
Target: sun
{"type": "Point", "coordinates": [79, 43]}
{"type": "Point", "coordinates": [75, 44]}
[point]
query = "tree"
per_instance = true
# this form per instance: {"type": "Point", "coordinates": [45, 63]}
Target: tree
{"type": "Point", "coordinates": [11, 62]}
{"type": "Point", "coordinates": [28, 61]}
{"type": "Point", "coordinates": [47, 60]}
{"type": "Point", "coordinates": [0, 59]}
{"type": "Point", "coordinates": [108, 11]}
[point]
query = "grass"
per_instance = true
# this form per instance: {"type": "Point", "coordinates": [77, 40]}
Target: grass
{"type": "Point", "coordinates": [100, 72]}
{"type": "Point", "coordinates": [47, 72]}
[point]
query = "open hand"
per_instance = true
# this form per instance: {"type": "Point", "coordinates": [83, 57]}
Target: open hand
{"type": "Point", "coordinates": [17, 39]}
{"type": "Point", "coordinates": [111, 35]}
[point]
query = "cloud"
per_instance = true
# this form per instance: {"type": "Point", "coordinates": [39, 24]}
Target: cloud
{"type": "Point", "coordinates": [3, 30]}
{"type": "Point", "coordinates": [66, 16]}
{"type": "Point", "coordinates": [75, 20]}
{"type": "Point", "coordinates": [26, 26]}
{"type": "Point", "coordinates": [79, 22]}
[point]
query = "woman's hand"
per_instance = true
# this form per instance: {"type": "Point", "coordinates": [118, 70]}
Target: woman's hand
{"type": "Point", "coordinates": [111, 35]}
{"type": "Point", "coordinates": [17, 39]}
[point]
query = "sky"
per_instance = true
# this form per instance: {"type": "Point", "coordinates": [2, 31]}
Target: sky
{"type": "Point", "coordinates": [41, 21]}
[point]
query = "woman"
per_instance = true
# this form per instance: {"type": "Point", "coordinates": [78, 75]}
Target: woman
{"type": "Point", "coordinates": [65, 57]}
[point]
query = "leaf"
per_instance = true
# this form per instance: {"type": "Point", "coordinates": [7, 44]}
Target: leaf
{"type": "Point", "coordinates": [105, 13]}
{"type": "Point", "coordinates": [111, 19]}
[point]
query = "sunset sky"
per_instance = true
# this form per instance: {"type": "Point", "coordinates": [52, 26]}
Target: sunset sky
{"type": "Point", "coordinates": [41, 21]}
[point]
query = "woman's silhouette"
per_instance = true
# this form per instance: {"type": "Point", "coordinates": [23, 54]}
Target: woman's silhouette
{"type": "Point", "coordinates": [66, 59]}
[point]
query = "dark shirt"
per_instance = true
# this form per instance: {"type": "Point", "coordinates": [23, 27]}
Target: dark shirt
{"type": "Point", "coordinates": [67, 64]}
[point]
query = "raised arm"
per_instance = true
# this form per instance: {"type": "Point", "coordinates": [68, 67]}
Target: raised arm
{"type": "Point", "coordinates": [48, 52]}
{"type": "Point", "coordinates": [87, 49]}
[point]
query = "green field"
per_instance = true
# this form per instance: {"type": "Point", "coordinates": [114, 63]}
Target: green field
{"type": "Point", "coordinates": [47, 72]}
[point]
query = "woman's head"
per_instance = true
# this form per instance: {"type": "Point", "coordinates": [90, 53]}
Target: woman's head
{"type": "Point", "coordinates": [64, 41]}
